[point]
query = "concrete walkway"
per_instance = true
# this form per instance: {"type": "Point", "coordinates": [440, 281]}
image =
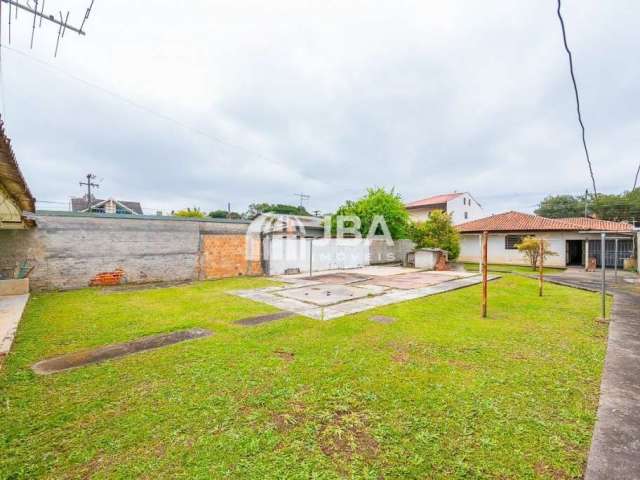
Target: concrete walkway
{"type": "Point", "coordinates": [615, 447]}
{"type": "Point", "coordinates": [11, 308]}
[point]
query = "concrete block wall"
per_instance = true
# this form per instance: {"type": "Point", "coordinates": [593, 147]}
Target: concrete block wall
{"type": "Point", "coordinates": [381, 253]}
{"type": "Point", "coordinates": [69, 250]}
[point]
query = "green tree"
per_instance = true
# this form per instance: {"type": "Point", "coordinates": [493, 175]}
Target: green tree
{"type": "Point", "coordinates": [561, 206]}
{"type": "Point", "coordinates": [530, 248]}
{"type": "Point", "coordinates": [623, 207]}
{"type": "Point", "coordinates": [437, 232]}
{"type": "Point", "coordinates": [377, 201]}
{"type": "Point", "coordinates": [194, 212]}
{"type": "Point", "coordinates": [218, 214]}
{"type": "Point", "coordinates": [256, 209]}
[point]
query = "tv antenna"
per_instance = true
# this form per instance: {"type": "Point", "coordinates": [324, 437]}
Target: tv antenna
{"type": "Point", "coordinates": [36, 8]}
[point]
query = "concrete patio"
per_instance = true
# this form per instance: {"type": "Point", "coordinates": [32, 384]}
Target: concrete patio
{"type": "Point", "coordinates": [11, 308]}
{"type": "Point", "coordinates": [335, 293]}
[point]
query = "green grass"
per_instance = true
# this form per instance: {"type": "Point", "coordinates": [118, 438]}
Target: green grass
{"type": "Point", "coordinates": [503, 268]}
{"type": "Point", "coordinates": [440, 393]}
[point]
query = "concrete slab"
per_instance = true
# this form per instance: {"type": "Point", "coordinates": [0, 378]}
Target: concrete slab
{"type": "Point", "coordinates": [79, 359]}
{"type": "Point", "coordinates": [342, 303]}
{"type": "Point", "coordinates": [272, 317]}
{"type": "Point", "coordinates": [409, 281]}
{"type": "Point", "coordinates": [11, 308]}
{"type": "Point", "coordinates": [324, 295]}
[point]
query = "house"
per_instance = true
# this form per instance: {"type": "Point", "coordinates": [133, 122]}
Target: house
{"type": "Point", "coordinates": [16, 201]}
{"type": "Point", "coordinates": [112, 206]}
{"type": "Point", "coordinates": [574, 240]}
{"type": "Point", "coordinates": [460, 205]}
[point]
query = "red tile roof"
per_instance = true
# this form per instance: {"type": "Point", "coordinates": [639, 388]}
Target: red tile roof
{"type": "Point", "coordinates": [600, 225]}
{"type": "Point", "coordinates": [435, 200]}
{"type": "Point", "coordinates": [525, 222]}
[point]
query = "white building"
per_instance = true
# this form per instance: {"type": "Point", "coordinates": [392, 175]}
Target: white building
{"type": "Point", "coordinates": [573, 239]}
{"type": "Point", "coordinates": [461, 206]}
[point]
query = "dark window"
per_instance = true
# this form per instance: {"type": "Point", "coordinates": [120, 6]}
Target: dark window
{"type": "Point", "coordinates": [510, 241]}
{"type": "Point", "coordinates": [466, 215]}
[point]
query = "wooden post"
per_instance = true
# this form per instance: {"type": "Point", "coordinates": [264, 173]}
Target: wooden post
{"type": "Point", "coordinates": [485, 270]}
{"type": "Point", "coordinates": [541, 255]}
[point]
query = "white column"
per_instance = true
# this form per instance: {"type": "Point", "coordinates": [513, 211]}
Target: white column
{"type": "Point", "coordinates": [586, 254]}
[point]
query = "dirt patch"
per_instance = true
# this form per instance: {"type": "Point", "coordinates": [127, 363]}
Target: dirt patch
{"type": "Point", "coordinates": [287, 420]}
{"type": "Point", "coordinates": [78, 359]}
{"type": "Point", "coordinates": [346, 435]}
{"type": "Point", "coordinates": [544, 470]}
{"type": "Point", "coordinates": [252, 321]}
{"type": "Point", "coordinates": [286, 356]}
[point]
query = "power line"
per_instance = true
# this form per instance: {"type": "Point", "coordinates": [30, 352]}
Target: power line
{"type": "Point", "coordinates": [139, 106]}
{"type": "Point", "coordinates": [635, 182]}
{"type": "Point", "coordinates": [575, 89]}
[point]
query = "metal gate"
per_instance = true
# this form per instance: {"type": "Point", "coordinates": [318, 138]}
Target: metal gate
{"type": "Point", "coordinates": [625, 250]}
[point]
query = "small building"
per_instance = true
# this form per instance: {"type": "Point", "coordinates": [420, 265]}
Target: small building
{"type": "Point", "coordinates": [110, 206]}
{"type": "Point", "coordinates": [574, 240]}
{"type": "Point", "coordinates": [460, 205]}
{"type": "Point", "coordinates": [16, 201]}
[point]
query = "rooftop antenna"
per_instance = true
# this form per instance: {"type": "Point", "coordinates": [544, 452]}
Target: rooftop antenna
{"type": "Point", "coordinates": [39, 15]}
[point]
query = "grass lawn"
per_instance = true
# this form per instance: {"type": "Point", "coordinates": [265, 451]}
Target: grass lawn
{"type": "Point", "coordinates": [502, 268]}
{"type": "Point", "coordinates": [440, 393]}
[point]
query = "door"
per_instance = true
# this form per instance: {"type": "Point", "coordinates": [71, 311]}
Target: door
{"type": "Point", "coordinates": [574, 252]}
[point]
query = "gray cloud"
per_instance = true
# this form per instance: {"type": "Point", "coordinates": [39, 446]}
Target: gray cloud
{"type": "Point", "coordinates": [327, 98]}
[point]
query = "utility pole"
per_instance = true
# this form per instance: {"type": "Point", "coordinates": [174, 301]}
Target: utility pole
{"type": "Point", "coordinates": [603, 261]}
{"type": "Point", "coordinates": [303, 197]}
{"type": "Point", "coordinates": [89, 184]}
{"type": "Point", "coordinates": [586, 203]}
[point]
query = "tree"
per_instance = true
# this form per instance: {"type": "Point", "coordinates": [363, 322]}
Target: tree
{"type": "Point", "coordinates": [194, 212]}
{"type": "Point", "coordinates": [256, 209]}
{"type": "Point", "coordinates": [377, 201]}
{"type": "Point", "coordinates": [437, 232]}
{"type": "Point", "coordinates": [561, 206]}
{"type": "Point", "coordinates": [218, 214]}
{"type": "Point", "coordinates": [530, 247]}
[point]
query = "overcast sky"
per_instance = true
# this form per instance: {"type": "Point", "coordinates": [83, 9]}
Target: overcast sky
{"type": "Point", "coordinates": [269, 99]}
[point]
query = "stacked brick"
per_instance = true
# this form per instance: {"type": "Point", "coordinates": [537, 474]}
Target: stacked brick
{"type": "Point", "coordinates": [108, 278]}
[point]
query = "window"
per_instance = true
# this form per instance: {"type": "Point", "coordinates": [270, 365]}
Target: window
{"type": "Point", "coordinates": [510, 241]}
{"type": "Point", "coordinates": [464, 201]}
{"type": "Point", "coordinates": [466, 215]}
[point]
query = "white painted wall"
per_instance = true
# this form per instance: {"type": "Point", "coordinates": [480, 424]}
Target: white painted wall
{"type": "Point", "coordinates": [464, 204]}
{"type": "Point", "coordinates": [456, 208]}
{"type": "Point", "coordinates": [328, 254]}
{"type": "Point", "coordinates": [470, 247]}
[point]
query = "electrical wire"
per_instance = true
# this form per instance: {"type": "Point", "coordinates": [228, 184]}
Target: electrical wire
{"type": "Point", "coordinates": [142, 107]}
{"type": "Point", "coordinates": [575, 89]}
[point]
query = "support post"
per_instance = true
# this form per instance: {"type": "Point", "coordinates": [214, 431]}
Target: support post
{"type": "Point", "coordinates": [485, 270]}
{"type": "Point", "coordinates": [603, 261]}
{"type": "Point", "coordinates": [480, 237]}
{"type": "Point", "coordinates": [615, 264]}
{"type": "Point", "coordinates": [586, 254]}
{"type": "Point", "coordinates": [311, 257]}
{"type": "Point", "coordinates": [541, 255]}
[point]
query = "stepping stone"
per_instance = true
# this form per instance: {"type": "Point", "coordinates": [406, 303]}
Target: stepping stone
{"type": "Point", "coordinates": [251, 321]}
{"type": "Point", "coordinates": [78, 359]}
{"type": "Point", "coordinates": [382, 319]}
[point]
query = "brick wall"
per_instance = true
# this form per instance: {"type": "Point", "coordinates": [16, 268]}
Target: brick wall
{"type": "Point", "coordinates": [226, 256]}
{"type": "Point", "coordinates": [68, 251]}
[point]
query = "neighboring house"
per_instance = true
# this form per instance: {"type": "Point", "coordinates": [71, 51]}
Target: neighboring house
{"type": "Point", "coordinates": [573, 239]}
{"type": "Point", "coordinates": [112, 206]}
{"type": "Point", "coordinates": [461, 206]}
{"type": "Point", "coordinates": [290, 225]}
{"type": "Point", "coordinates": [16, 201]}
